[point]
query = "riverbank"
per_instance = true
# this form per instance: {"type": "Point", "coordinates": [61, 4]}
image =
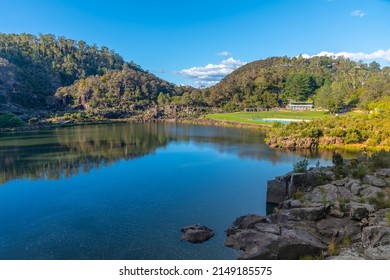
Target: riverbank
{"type": "Point", "coordinates": [340, 212]}
{"type": "Point", "coordinates": [296, 135]}
{"type": "Point", "coordinates": [324, 142]}
{"type": "Point", "coordinates": [364, 132]}
{"type": "Point", "coordinates": [194, 121]}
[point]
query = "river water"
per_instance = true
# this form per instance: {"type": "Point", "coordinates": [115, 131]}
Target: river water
{"type": "Point", "coordinates": [123, 191]}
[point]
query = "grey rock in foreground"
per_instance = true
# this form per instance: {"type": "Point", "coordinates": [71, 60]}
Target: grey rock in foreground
{"type": "Point", "coordinates": [374, 181]}
{"type": "Point", "coordinates": [330, 220]}
{"type": "Point", "coordinates": [196, 233]}
{"type": "Point", "coordinates": [385, 172]}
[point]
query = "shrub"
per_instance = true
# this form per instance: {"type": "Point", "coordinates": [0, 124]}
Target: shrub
{"type": "Point", "coordinates": [352, 136]}
{"type": "Point", "coordinates": [337, 132]}
{"type": "Point", "coordinates": [333, 248]}
{"type": "Point", "coordinates": [311, 132]}
{"type": "Point", "coordinates": [337, 159]}
{"type": "Point", "coordinates": [312, 258]}
{"type": "Point", "coordinates": [380, 202]}
{"type": "Point", "coordinates": [360, 172]}
{"type": "Point", "coordinates": [343, 203]}
{"type": "Point", "coordinates": [380, 159]}
{"type": "Point", "coordinates": [9, 120]}
{"type": "Point", "coordinates": [276, 124]}
{"type": "Point", "coordinates": [346, 241]}
{"type": "Point", "coordinates": [298, 195]}
{"type": "Point", "coordinates": [301, 166]}
{"type": "Point", "coordinates": [387, 215]}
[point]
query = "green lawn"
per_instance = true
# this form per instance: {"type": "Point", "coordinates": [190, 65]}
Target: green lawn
{"type": "Point", "coordinates": [256, 117]}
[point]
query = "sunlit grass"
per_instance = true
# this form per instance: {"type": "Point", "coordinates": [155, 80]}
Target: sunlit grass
{"type": "Point", "coordinates": [256, 117]}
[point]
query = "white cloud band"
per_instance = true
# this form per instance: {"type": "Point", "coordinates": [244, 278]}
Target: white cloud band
{"type": "Point", "coordinates": [379, 54]}
{"type": "Point", "coordinates": [211, 73]}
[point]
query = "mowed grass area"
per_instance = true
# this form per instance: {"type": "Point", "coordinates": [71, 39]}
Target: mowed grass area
{"type": "Point", "coordinates": [255, 117]}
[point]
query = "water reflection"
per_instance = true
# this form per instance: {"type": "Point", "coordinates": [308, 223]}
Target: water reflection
{"type": "Point", "coordinates": [162, 177]}
{"type": "Point", "coordinates": [68, 151]}
{"type": "Point", "coordinates": [64, 152]}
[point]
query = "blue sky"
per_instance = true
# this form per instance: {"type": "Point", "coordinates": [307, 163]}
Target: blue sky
{"type": "Point", "coordinates": [198, 42]}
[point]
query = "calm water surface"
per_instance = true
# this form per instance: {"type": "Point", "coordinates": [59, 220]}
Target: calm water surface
{"type": "Point", "coordinates": [123, 191]}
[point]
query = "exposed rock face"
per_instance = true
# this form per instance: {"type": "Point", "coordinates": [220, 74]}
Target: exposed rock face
{"type": "Point", "coordinates": [196, 234]}
{"type": "Point", "coordinates": [374, 236]}
{"type": "Point", "coordinates": [360, 211]}
{"type": "Point", "coordinates": [370, 192]}
{"type": "Point", "coordinates": [385, 172]}
{"type": "Point", "coordinates": [297, 243]}
{"type": "Point", "coordinates": [374, 181]}
{"type": "Point", "coordinates": [306, 224]}
{"type": "Point", "coordinates": [303, 143]}
{"type": "Point", "coordinates": [283, 187]}
{"type": "Point", "coordinates": [331, 140]}
{"type": "Point", "coordinates": [276, 191]}
{"type": "Point", "coordinates": [293, 144]}
{"type": "Point", "coordinates": [249, 221]}
{"type": "Point", "coordinates": [273, 241]}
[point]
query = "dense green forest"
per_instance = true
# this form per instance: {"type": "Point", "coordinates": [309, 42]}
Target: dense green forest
{"type": "Point", "coordinates": [57, 74]}
{"type": "Point", "coordinates": [331, 83]}
{"type": "Point", "coordinates": [32, 67]}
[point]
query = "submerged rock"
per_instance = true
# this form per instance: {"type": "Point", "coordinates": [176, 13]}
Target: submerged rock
{"type": "Point", "coordinates": [196, 233]}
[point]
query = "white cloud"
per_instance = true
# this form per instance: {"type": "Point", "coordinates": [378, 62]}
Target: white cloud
{"type": "Point", "coordinates": [379, 54]}
{"type": "Point", "coordinates": [211, 73]}
{"type": "Point", "coordinates": [224, 53]}
{"type": "Point", "coordinates": [358, 13]}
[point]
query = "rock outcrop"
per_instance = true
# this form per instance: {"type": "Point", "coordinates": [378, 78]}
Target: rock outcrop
{"type": "Point", "coordinates": [293, 144]}
{"type": "Point", "coordinates": [332, 220]}
{"type": "Point", "coordinates": [374, 181]}
{"type": "Point", "coordinates": [303, 143]}
{"type": "Point", "coordinates": [196, 233]}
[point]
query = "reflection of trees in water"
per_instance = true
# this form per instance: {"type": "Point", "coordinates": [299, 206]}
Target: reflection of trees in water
{"type": "Point", "coordinates": [246, 143]}
{"type": "Point", "coordinates": [69, 151]}
{"type": "Point", "coordinates": [66, 152]}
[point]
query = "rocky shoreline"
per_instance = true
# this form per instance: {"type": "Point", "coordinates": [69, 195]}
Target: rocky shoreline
{"type": "Point", "coordinates": [319, 217]}
{"type": "Point", "coordinates": [192, 121]}
{"type": "Point", "coordinates": [304, 143]}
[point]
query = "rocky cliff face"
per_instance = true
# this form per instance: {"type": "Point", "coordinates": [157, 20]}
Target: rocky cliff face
{"type": "Point", "coordinates": [303, 143]}
{"type": "Point", "coordinates": [338, 219]}
{"type": "Point", "coordinates": [293, 144]}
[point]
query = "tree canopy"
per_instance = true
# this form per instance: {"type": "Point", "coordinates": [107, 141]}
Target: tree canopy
{"type": "Point", "coordinates": [39, 72]}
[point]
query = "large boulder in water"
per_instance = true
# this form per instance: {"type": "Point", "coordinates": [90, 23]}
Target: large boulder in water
{"type": "Point", "coordinates": [196, 233]}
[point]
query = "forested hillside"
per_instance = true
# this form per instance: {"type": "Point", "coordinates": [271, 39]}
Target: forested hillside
{"type": "Point", "coordinates": [117, 90]}
{"type": "Point", "coordinates": [330, 82]}
{"type": "Point", "coordinates": [32, 68]}
{"type": "Point", "coordinates": [58, 74]}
